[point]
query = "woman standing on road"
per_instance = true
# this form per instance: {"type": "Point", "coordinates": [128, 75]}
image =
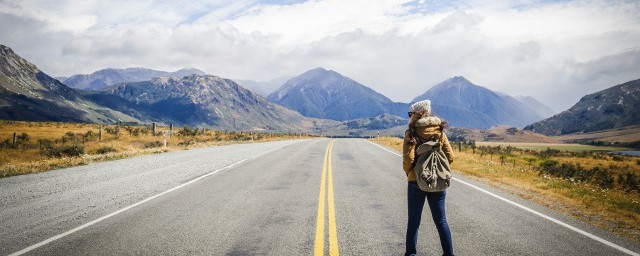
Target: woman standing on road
{"type": "Point", "coordinates": [427, 127]}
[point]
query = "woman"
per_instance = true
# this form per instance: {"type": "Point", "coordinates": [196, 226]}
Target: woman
{"type": "Point", "coordinates": [428, 127]}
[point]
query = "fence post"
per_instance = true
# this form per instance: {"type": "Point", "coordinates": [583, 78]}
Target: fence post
{"type": "Point", "coordinates": [15, 139]}
{"type": "Point", "coordinates": [170, 130]}
{"type": "Point", "coordinates": [164, 136]}
{"type": "Point", "coordinates": [100, 134]}
{"type": "Point", "coordinates": [153, 129]}
{"type": "Point", "coordinates": [459, 146]}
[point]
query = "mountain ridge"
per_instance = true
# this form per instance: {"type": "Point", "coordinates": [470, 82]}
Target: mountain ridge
{"type": "Point", "coordinates": [466, 104]}
{"type": "Point", "coordinates": [109, 76]}
{"type": "Point", "coordinates": [322, 93]}
{"type": "Point", "coordinates": [614, 107]}
{"type": "Point", "coordinates": [203, 100]}
{"type": "Point", "coordinates": [27, 93]}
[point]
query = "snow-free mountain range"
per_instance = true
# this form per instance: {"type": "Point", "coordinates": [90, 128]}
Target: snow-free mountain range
{"type": "Point", "coordinates": [317, 101]}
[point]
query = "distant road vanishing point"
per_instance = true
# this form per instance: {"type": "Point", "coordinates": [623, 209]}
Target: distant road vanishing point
{"type": "Point", "coordinates": [298, 197]}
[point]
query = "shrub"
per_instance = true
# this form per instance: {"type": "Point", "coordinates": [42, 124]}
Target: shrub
{"type": "Point", "coordinates": [44, 144]}
{"type": "Point", "coordinates": [153, 144]}
{"type": "Point", "coordinates": [602, 177]}
{"type": "Point", "coordinates": [629, 182]}
{"type": "Point", "coordinates": [187, 131]}
{"type": "Point", "coordinates": [617, 158]}
{"type": "Point", "coordinates": [69, 136]}
{"type": "Point", "coordinates": [112, 130]}
{"type": "Point", "coordinates": [24, 137]}
{"type": "Point", "coordinates": [105, 150]}
{"type": "Point", "coordinates": [64, 150]}
{"type": "Point", "coordinates": [6, 144]}
{"type": "Point", "coordinates": [186, 143]}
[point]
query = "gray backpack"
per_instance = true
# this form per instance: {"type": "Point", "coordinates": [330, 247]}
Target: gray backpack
{"type": "Point", "coordinates": [433, 173]}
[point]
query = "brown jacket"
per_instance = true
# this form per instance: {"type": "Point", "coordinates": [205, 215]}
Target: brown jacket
{"type": "Point", "coordinates": [424, 128]}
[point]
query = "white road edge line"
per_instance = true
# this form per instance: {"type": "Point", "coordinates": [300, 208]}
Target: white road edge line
{"type": "Point", "coordinates": [580, 231]}
{"type": "Point", "coordinates": [54, 238]}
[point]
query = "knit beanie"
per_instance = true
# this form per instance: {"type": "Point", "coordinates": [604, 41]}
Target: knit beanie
{"type": "Point", "coordinates": [421, 106]}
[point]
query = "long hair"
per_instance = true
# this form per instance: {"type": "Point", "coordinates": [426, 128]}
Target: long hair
{"type": "Point", "coordinates": [412, 125]}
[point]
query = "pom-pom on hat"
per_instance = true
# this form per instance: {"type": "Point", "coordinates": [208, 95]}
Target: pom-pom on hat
{"type": "Point", "coordinates": [421, 106]}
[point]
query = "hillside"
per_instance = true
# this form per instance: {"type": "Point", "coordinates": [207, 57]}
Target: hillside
{"type": "Point", "coordinates": [327, 94]}
{"type": "Point", "coordinates": [611, 108]}
{"type": "Point", "coordinates": [384, 124]}
{"type": "Point", "coordinates": [465, 104]}
{"type": "Point", "coordinates": [105, 77]}
{"type": "Point", "coordinates": [263, 88]}
{"type": "Point", "coordinates": [208, 101]}
{"type": "Point", "coordinates": [28, 94]}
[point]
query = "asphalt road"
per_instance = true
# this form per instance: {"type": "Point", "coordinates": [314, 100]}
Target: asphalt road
{"type": "Point", "coordinates": [264, 199]}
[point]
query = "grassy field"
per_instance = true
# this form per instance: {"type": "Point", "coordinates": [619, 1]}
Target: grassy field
{"type": "Point", "coordinates": [43, 146]}
{"type": "Point", "coordinates": [623, 134]}
{"type": "Point", "coordinates": [592, 187]}
{"type": "Point", "coordinates": [558, 146]}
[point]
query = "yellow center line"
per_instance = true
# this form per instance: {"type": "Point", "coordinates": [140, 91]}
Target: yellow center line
{"type": "Point", "coordinates": [320, 230]}
{"type": "Point", "coordinates": [333, 232]}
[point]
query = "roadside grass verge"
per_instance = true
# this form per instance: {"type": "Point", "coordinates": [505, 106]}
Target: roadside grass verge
{"type": "Point", "coordinates": [607, 204]}
{"type": "Point", "coordinates": [558, 146]}
{"type": "Point", "coordinates": [43, 146]}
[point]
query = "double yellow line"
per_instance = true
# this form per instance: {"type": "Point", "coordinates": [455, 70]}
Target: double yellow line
{"type": "Point", "coordinates": [333, 232]}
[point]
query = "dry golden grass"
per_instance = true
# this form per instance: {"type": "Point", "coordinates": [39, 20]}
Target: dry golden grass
{"type": "Point", "coordinates": [624, 134]}
{"type": "Point", "coordinates": [611, 209]}
{"type": "Point", "coordinates": [543, 146]}
{"type": "Point", "coordinates": [28, 156]}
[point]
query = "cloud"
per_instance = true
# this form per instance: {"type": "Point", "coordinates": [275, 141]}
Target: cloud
{"type": "Point", "coordinates": [554, 51]}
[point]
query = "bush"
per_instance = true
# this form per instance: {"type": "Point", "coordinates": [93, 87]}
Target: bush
{"type": "Point", "coordinates": [629, 182]}
{"type": "Point", "coordinates": [6, 144]}
{"type": "Point", "coordinates": [64, 150]}
{"type": "Point", "coordinates": [153, 144]}
{"type": "Point", "coordinates": [603, 177]}
{"type": "Point", "coordinates": [186, 143]}
{"type": "Point", "coordinates": [186, 131]}
{"type": "Point", "coordinates": [105, 150]}
{"type": "Point", "coordinates": [617, 158]}
{"type": "Point", "coordinates": [44, 144]}
{"type": "Point", "coordinates": [112, 130]}
{"type": "Point", "coordinates": [24, 137]}
{"type": "Point", "coordinates": [598, 175]}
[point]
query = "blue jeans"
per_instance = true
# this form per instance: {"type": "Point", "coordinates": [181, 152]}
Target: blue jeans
{"type": "Point", "coordinates": [415, 200]}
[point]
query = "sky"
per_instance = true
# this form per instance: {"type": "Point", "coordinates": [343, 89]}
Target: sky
{"type": "Point", "coordinates": [554, 51]}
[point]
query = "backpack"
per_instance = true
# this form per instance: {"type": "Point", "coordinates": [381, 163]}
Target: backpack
{"type": "Point", "coordinates": [431, 166]}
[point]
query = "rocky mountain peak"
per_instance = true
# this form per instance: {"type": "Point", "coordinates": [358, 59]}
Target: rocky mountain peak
{"type": "Point", "coordinates": [325, 93]}
{"type": "Point", "coordinates": [12, 64]}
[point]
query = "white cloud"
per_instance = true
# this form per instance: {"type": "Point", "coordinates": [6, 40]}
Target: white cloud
{"type": "Point", "coordinates": [556, 52]}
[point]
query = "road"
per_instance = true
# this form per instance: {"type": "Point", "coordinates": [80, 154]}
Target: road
{"type": "Point", "coordinates": [266, 199]}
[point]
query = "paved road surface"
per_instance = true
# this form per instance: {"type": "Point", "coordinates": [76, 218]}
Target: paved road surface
{"type": "Point", "coordinates": [269, 205]}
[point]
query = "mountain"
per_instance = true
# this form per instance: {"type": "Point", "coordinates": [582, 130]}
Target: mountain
{"type": "Point", "coordinates": [110, 76]}
{"type": "Point", "coordinates": [27, 93]}
{"type": "Point", "coordinates": [614, 107]}
{"type": "Point", "coordinates": [539, 107]}
{"type": "Point", "coordinates": [327, 94]}
{"type": "Point", "coordinates": [201, 100]}
{"type": "Point", "coordinates": [384, 124]}
{"type": "Point", "coordinates": [263, 88]}
{"type": "Point", "coordinates": [465, 104]}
